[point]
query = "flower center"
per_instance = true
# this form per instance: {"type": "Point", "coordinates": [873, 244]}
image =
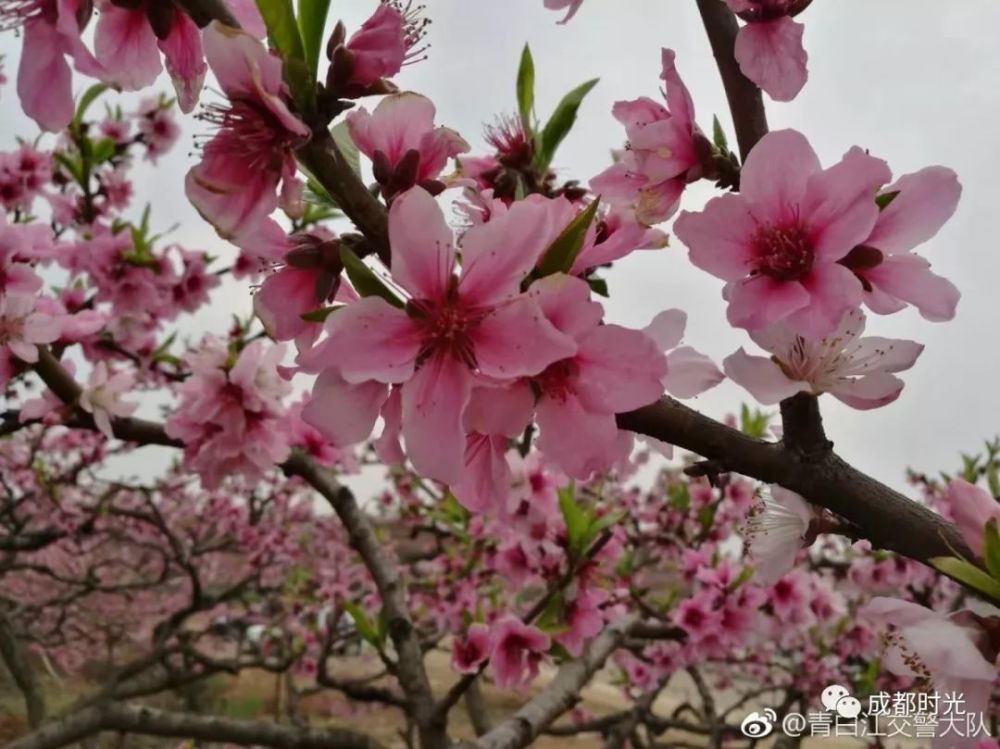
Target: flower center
{"type": "Point", "coordinates": [782, 253]}
{"type": "Point", "coordinates": [447, 329]}
{"type": "Point", "coordinates": [249, 133]}
{"type": "Point", "coordinates": [559, 380]}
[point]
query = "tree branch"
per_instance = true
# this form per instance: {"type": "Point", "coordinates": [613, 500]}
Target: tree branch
{"type": "Point", "coordinates": [745, 101]}
{"type": "Point", "coordinates": [150, 721]}
{"type": "Point", "coordinates": [559, 696]}
{"type": "Point", "coordinates": [410, 666]}
{"type": "Point", "coordinates": [887, 518]}
{"type": "Point", "coordinates": [22, 672]}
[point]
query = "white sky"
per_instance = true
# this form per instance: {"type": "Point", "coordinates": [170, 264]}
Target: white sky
{"type": "Point", "coordinates": [914, 82]}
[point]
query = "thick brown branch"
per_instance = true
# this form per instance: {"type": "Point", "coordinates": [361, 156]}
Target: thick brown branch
{"type": "Point", "coordinates": [745, 102]}
{"type": "Point", "coordinates": [147, 721]}
{"type": "Point", "coordinates": [887, 518]}
{"type": "Point", "coordinates": [559, 696]}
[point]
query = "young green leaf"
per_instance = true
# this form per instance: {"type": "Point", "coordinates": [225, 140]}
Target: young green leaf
{"type": "Point", "coordinates": [282, 28]}
{"type": "Point", "coordinates": [562, 253]}
{"type": "Point", "coordinates": [991, 548]}
{"type": "Point", "coordinates": [526, 88]}
{"type": "Point", "coordinates": [363, 624]}
{"type": "Point", "coordinates": [86, 99]}
{"type": "Point", "coordinates": [719, 135]}
{"type": "Point", "coordinates": [365, 282]}
{"type": "Point", "coordinates": [968, 574]}
{"type": "Point", "coordinates": [560, 123]}
{"type": "Point", "coordinates": [577, 520]}
{"type": "Point", "coordinates": [312, 23]}
{"type": "Point", "coordinates": [342, 137]}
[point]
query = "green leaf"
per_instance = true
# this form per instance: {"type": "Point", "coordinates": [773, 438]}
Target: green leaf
{"type": "Point", "coordinates": [342, 137]}
{"type": "Point", "coordinates": [599, 286]}
{"type": "Point", "coordinates": [365, 282]}
{"type": "Point", "coordinates": [89, 97]}
{"type": "Point", "coordinates": [991, 548]}
{"type": "Point", "coordinates": [719, 135]}
{"type": "Point", "coordinates": [679, 497]}
{"type": "Point", "coordinates": [320, 314]}
{"type": "Point", "coordinates": [883, 200]}
{"type": "Point", "coordinates": [526, 88]}
{"type": "Point", "coordinates": [562, 253]}
{"type": "Point", "coordinates": [103, 150]}
{"type": "Point", "coordinates": [560, 123]}
{"type": "Point", "coordinates": [745, 574]}
{"type": "Point", "coordinates": [577, 520]}
{"type": "Point", "coordinates": [282, 28]}
{"type": "Point", "coordinates": [968, 574]}
{"type": "Point", "coordinates": [363, 624]}
{"type": "Point", "coordinates": [312, 23]}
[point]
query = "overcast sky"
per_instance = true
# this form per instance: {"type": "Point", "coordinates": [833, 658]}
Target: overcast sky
{"type": "Point", "coordinates": [916, 83]}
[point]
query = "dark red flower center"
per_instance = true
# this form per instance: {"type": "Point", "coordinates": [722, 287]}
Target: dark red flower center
{"type": "Point", "coordinates": [447, 328]}
{"type": "Point", "coordinates": [784, 253]}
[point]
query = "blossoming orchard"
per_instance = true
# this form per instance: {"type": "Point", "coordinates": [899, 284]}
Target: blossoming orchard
{"type": "Point", "coordinates": [563, 550]}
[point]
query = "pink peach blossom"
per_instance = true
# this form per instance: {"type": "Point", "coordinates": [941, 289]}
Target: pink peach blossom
{"type": "Point", "coordinates": [453, 328]}
{"type": "Point", "coordinates": [972, 508]}
{"type": "Point", "coordinates": [235, 184]}
{"type": "Point", "coordinates": [379, 48]}
{"type": "Point", "coordinates": [402, 142]}
{"type": "Point", "coordinates": [22, 328]}
{"type": "Point", "coordinates": [858, 371]}
{"type": "Point", "coordinates": [943, 649]}
{"type": "Point", "coordinates": [779, 243]}
{"type": "Point", "coordinates": [651, 173]}
{"type": "Point", "coordinates": [468, 653]}
{"type": "Point", "coordinates": [892, 276]}
{"type": "Point", "coordinates": [516, 649]}
{"type": "Point", "coordinates": [102, 398]}
{"type": "Point", "coordinates": [777, 531]}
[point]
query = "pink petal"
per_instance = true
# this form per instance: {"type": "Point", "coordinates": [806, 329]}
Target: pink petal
{"type": "Point", "coordinates": [433, 402]}
{"type": "Point", "coordinates": [343, 413]}
{"type": "Point", "coordinates": [972, 508]}
{"type": "Point", "coordinates": [185, 60]}
{"type": "Point", "coordinates": [565, 302]}
{"type": "Point", "coordinates": [871, 391]}
{"type": "Point", "coordinates": [761, 301]}
{"type": "Point", "coordinates": [398, 125]}
{"type": "Point", "coordinates": [387, 446]}
{"type": "Point", "coordinates": [718, 238]}
{"type": "Point", "coordinates": [44, 81]}
{"type": "Point", "coordinates": [283, 298]}
{"type": "Point", "coordinates": [229, 195]}
{"type": "Point", "coordinates": [577, 441]}
{"type": "Point", "coordinates": [926, 200]}
{"type": "Point", "coordinates": [690, 373]}
{"type": "Point", "coordinates": [501, 410]}
{"type": "Point", "coordinates": [497, 255]}
{"type": "Point", "coordinates": [620, 370]}
{"type": "Point", "coordinates": [248, 17]}
{"type": "Point", "coordinates": [518, 341]}
{"type": "Point", "coordinates": [833, 290]}
{"type": "Point", "coordinates": [367, 340]}
{"type": "Point", "coordinates": [667, 328]}
{"type": "Point", "coordinates": [839, 205]}
{"type": "Point", "coordinates": [125, 46]}
{"type": "Point", "coordinates": [887, 354]}
{"type": "Point", "coordinates": [776, 173]}
{"type": "Point", "coordinates": [909, 278]}
{"type": "Point", "coordinates": [486, 481]}
{"type": "Point", "coordinates": [761, 377]}
{"type": "Point", "coordinates": [678, 98]}
{"type": "Point", "coordinates": [423, 256]}
{"type": "Point", "coordinates": [771, 55]}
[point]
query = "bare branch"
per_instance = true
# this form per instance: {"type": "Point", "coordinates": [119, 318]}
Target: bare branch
{"type": "Point", "coordinates": [22, 672]}
{"type": "Point", "coordinates": [148, 721]}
